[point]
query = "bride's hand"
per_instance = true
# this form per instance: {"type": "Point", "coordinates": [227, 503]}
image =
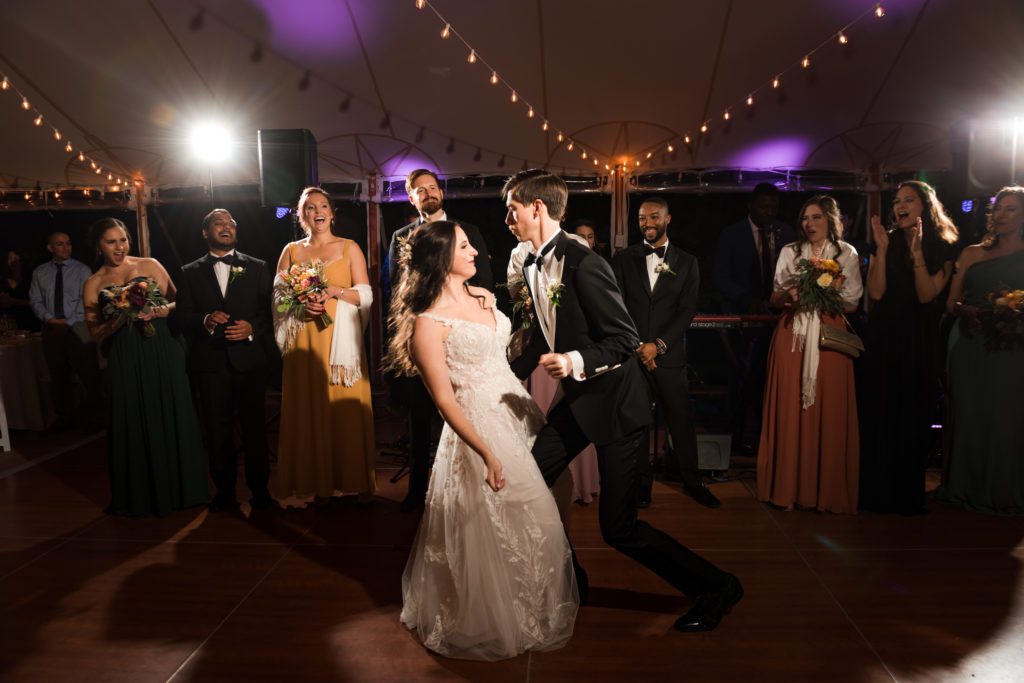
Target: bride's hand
{"type": "Point", "coordinates": [495, 479]}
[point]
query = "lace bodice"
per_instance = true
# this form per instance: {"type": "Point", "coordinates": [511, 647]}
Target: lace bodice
{"type": "Point", "coordinates": [475, 352]}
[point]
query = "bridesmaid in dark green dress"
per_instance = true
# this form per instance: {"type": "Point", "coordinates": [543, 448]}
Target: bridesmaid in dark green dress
{"type": "Point", "coordinates": [154, 446]}
{"type": "Point", "coordinates": [985, 432]}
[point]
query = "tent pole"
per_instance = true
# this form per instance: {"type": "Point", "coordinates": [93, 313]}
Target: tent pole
{"type": "Point", "coordinates": [142, 218]}
{"type": "Point", "coordinates": [373, 247]}
{"type": "Point", "coordinates": [620, 209]}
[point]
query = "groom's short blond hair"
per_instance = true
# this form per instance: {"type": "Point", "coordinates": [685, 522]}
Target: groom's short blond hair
{"type": "Point", "coordinates": [526, 186]}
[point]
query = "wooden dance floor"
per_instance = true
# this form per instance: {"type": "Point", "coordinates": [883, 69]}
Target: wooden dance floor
{"type": "Point", "coordinates": [314, 595]}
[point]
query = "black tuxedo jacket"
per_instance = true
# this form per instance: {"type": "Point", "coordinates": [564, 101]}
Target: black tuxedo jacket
{"type": "Point", "coordinates": [737, 268]}
{"type": "Point", "coordinates": [666, 311]}
{"type": "Point", "coordinates": [592, 320]}
{"type": "Point", "coordinates": [248, 298]}
{"type": "Point", "coordinates": [483, 277]}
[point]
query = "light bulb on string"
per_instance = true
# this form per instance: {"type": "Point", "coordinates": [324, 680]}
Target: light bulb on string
{"type": "Point", "coordinates": [638, 162]}
{"type": "Point", "coordinates": [28, 196]}
{"type": "Point", "coordinates": [595, 162]}
{"type": "Point", "coordinates": [806, 61]}
{"type": "Point", "coordinates": [56, 194]}
{"type": "Point", "coordinates": [494, 78]}
{"type": "Point", "coordinates": [38, 120]}
{"type": "Point", "coordinates": [515, 97]}
{"type": "Point", "coordinates": [472, 57]}
{"type": "Point", "coordinates": [68, 148]}
{"type": "Point", "coordinates": [420, 4]}
{"type": "Point", "coordinates": [5, 84]}
{"type": "Point", "coordinates": [726, 115]}
{"type": "Point", "coordinates": [92, 164]}
{"type": "Point", "coordinates": [86, 192]}
{"type": "Point", "coordinates": [703, 128]}
{"type": "Point", "coordinates": [446, 31]}
{"type": "Point", "coordinates": [649, 154]}
{"type": "Point", "coordinates": [110, 176]}
{"type": "Point", "coordinates": [544, 127]}
{"type": "Point", "coordinates": [775, 82]}
{"type": "Point", "coordinates": [56, 135]}
{"type": "Point", "coordinates": [607, 167]}
{"type": "Point", "coordinates": [879, 11]}
{"type": "Point", "coordinates": [843, 40]}
{"type": "Point", "coordinates": [560, 136]}
{"type": "Point", "coordinates": [25, 104]}
{"type": "Point", "coordinates": [583, 155]}
{"type": "Point", "coordinates": [569, 146]}
{"type": "Point", "coordinates": [686, 138]}
{"type": "Point", "coordinates": [529, 113]}
{"type": "Point", "coordinates": [99, 170]}
{"type": "Point", "coordinates": [670, 148]}
{"type": "Point", "coordinates": [750, 100]}
{"type": "Point", "coordinates": [81, 157]}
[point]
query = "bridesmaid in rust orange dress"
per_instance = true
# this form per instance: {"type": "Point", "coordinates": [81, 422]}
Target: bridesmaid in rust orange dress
{"type": "Point", "coordinates": [326, 442]}
{"type": "Point", "coordinates": [809, 450]}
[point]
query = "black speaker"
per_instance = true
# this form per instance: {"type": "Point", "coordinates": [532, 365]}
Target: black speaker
{"type": "Point", "coordinates": [287, 165]}
{"type": "Point", "coordinates": [987, 155]}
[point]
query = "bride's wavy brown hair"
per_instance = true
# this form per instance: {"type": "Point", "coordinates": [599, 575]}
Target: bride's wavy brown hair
{"type": "Point", "coordinates": [423, 275]}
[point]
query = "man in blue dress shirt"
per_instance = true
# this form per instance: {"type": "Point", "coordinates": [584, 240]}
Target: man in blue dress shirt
{"type": "Point", "coordinates": [56, 299]}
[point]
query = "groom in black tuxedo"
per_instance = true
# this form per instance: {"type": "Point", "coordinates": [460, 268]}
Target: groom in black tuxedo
{"type": "Point", "coordinates": [224, 301]}
{"type": "Point", "coordinates": [583, 336]}
{"type": "Point", "coordinates": [659, 283]}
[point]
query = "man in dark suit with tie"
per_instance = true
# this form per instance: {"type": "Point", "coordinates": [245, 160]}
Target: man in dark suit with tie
{"type": "Point", "coordinates": [584, 337]}
{"type": "Point", "coordinates": [743, 274]}
{"type": "Point", "coordinates": [224, 301]}
{"type": "Point", "coordinates": [426, 195]}
{"type": "Point", "coordinates": [659, 284]}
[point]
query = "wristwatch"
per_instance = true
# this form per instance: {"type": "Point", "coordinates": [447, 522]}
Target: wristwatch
{"type": "Point", "coordinates": [662, 346]}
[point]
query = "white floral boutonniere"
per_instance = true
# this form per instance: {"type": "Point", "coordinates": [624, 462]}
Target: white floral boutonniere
{"type": "Point", "coordinates": [554, 292]}
{"type": "Point", "coordinates": [662, 267]}
{"type": "Point", "coordinates": [236, 272]}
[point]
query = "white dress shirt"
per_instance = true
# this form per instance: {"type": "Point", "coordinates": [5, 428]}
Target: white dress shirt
{"type": "Point", "coordinates": [652, 264]}
{"type": "Point", "coordinates": [223, 272]}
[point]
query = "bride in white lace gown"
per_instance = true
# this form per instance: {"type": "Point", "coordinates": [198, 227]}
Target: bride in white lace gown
{"type": "Point", "coordinates": [490, 573]}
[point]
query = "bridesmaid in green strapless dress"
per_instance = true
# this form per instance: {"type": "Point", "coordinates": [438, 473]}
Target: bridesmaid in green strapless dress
{"type": "Point", "coordinates": [154, 446]}
{"type": "Point", "coordinates": [985, 431]}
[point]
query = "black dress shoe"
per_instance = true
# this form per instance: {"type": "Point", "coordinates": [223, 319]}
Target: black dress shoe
{"type": "Point", "coordinates": [710, 608]}
{"type": "Point", "coordinates": [701, 494]}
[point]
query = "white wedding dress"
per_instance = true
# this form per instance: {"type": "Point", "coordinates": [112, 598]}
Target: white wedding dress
{"type": "Point", "coordinates": [490, 574]}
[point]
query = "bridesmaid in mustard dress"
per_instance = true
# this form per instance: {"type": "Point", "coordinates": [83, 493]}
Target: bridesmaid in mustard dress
{"type": "Point", "coordinates": [326, 442]}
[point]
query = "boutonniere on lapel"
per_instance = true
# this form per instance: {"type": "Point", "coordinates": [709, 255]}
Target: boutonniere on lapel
{"type": "Point", "coordinates": [554, 292]}
{"type": "Point", "coordinates": [663, 267]}
{"type": "Point", "coordinates": [236, 272]}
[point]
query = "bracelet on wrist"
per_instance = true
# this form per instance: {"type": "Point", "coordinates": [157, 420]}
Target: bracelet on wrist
{"type": "Point", "coordinates": [661, 346]}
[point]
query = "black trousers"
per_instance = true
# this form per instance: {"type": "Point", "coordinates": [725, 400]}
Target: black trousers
{"type": "Point", "coordinates": [668, 386]}
{"type": "Point", "coordinates": [223, 396]}
{"type": "Point", "coordinates": [66, 356]}
{"type": "Point", "coordinates": [560, 441]}
{"type": "Point", "coordinates": [412, 394]}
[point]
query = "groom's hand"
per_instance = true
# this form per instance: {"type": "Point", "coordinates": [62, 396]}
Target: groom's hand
{"type": "Point", "coordinates": [557, 365]}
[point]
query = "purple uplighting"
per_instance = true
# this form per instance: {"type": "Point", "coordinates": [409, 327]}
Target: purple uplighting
{"type": "Point", "coordinates": [775, 153]}
{"type": "Point", "coordinates": [317, 28]}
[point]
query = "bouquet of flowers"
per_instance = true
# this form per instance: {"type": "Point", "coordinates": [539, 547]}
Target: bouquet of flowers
{"type": "Point", "coordinates": [299, 285]}
{"type": "Point", "coordinates": [133, 299]}
{"type": "Point", "coordinates": [522, 303]}
{"type": "Point", "coordinates": [819, 285]}
{"type": "Point", "coordinates": [1002, 319]}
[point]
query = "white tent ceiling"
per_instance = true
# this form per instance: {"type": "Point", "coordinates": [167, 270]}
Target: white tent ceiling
{"type": "Point", "coordinates": [125, 80]}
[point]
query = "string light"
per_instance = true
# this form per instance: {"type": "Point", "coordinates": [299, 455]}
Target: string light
{"type": "Point", "coordinates": [5, 84]}
{"type": "Point", "coordinates": [86, 192]}
{"type": "Point", "coordinates": [110, 176]}
{"type": "Point", "coordinates": [529, 113]}
{"type": "Point", "coordinates": [843, 40]}
{"type": "Point", "coordinates": [25, 104]}
{"type": "Point", "coordinates": [879, 11]}
{"type": "Point", "coordinates": [515, 97]}
{"type": "Point", "coordinates": [750, 100]}
{"type": "Point", "coordinates": [56, 194]}
{"type": "Point", "coordinates": [649, 154]}
{"type": "Point", "coordinates": [56, 135]}
{"type": "Point", "coordinates": [92, 163]}
{"type": "Point", "coordinates": [446, 31]}
{"type": "Point", "coordinates": [775, 82]}
{"type": "Point", "coordinates": [472, 57]}
{"type": "Point", "coordinates": [68, 148]}
{"type": "Point", "coordinates": [805, 62]}
{"type": "Point", "coordinates": [725, 116]}
{"type": "Point", "coordinates": [99, 170]}
{"type": "Point", "coordinates": [560, 136]}
{"type": "Point", "coordinates": [703, 128]}
{"type": "Point", "coordinates": [494, 78]}
{"type": "Point", "coordinates": [637, 162]}
{"type": "Point", "coordinates": [569, 147]}
{"type": "Point", "coordinates": [420, 4]}
{"type": "Point", "coordinates": [81, 157]}
{"type": "Point", "coordinates": [544, 127]}
{"type": "Point", "coordinates": [595, 162]}
{"type": "Point", "coordinates": [686, 138]}
{"type": "Point", "coordinates": [670, 148]}
{"type": "Point", "coordinates": [38, 120]}
{"type": "Point", "coordinates": [28, 196]}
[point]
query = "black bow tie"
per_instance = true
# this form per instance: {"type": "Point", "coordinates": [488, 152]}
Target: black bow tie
{"type": "Point", "coordinates": [538, 260]}
{"type": "Point", "coordinates": [228, 260]}
{"type": "Point", "coordinates": [660, 251]}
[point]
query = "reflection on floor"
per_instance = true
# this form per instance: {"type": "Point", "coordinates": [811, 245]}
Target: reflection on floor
{"type": "Point", "coordinates": [314, 594]}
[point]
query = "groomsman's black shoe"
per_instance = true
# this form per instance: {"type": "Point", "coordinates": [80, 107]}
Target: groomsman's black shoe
{"type": "Point", "coordinates": [710, 608]}
{"type": "Point", "coordinates": [700, 493]}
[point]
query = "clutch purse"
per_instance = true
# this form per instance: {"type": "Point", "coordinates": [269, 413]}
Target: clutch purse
{"type": "Point", "coordinates": [843, 341]}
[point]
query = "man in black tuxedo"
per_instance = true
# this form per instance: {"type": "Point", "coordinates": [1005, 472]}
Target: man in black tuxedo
{"type": "Point", "coordinates": [426, 195]}
{"type": "Point", "coordinates": [744, 271]}
{"type": "Point", "coordinates": [583, 336]}
{"type": "Point", "coordinates": [224, 301]}
{"type": "Point", "coordinates": [659, 284]}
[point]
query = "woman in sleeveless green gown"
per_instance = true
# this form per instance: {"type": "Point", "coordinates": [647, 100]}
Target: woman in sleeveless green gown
{"type": "Point", "coordinates": [154, 445]}
{"type": "Point", "coordinates": [985, 431]}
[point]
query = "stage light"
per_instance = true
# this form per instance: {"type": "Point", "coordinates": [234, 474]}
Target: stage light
{"type": "Point", "coordinates": [211, 142]}
{"type": "Point", "coordinates": [282, 211]}
{"type": "Point", "coordinates": [967, 206]}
